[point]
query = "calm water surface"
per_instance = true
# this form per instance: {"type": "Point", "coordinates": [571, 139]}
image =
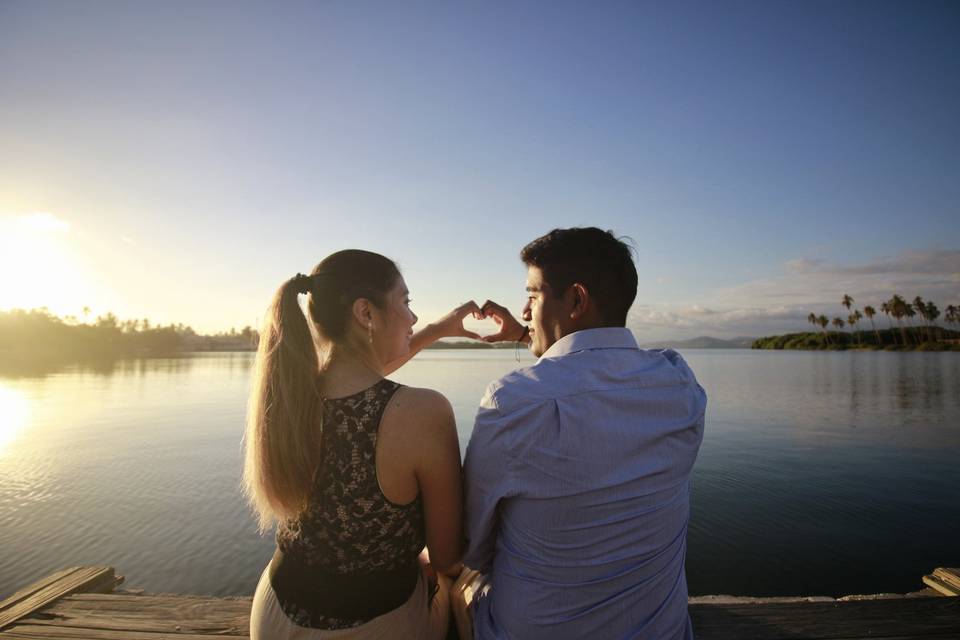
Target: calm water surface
{"type": "Point", "coordinates": [820, 473]}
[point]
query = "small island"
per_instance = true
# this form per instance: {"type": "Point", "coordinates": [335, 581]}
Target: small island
{"type": "Point", "coordinates": [916, 329]}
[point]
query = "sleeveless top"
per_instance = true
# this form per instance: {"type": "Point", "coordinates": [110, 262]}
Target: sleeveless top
{"type": "Point", "coordinates": [351, 555]}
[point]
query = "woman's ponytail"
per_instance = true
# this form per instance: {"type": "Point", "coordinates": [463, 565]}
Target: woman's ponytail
{"type": "Point", "coordinates": [283, 434]}
{"type": "Point", "coordinates": [282, 438]}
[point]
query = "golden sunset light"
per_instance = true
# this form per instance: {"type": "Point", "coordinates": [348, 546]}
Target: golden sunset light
{"type": "Point", "coordinates": [480, 320]}
{"type": "Point", "coordinates": [41, 268]}
{"type": "Point", "coordinates": [14, 412]}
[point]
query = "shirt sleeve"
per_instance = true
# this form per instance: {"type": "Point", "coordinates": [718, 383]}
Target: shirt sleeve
{"type": "Point", "coordinates": [486, 470]}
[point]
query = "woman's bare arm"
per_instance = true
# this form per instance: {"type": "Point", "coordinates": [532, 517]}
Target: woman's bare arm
{"type": "Point", "coordinates": [449, 326]}
{"type": "Point", "coordinates": [439, 478]}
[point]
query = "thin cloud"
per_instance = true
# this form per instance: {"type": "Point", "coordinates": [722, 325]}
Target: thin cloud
{"type": "Point", "coordinates": [938, 261]}
{"type": "Point", "coordinates": [780, 304]}
{"type": "Point", "coordinates": [803, 265]}
{"type": "Point", "coordinates": [933, 274]}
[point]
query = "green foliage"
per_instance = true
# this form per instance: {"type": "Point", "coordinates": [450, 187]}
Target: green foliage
{"type": "Point", "coordinates": [890, 340]}
{"type": "Point", "coordinates": [909, 335]}
{"type": "Point", "coordinates": [37, 336]}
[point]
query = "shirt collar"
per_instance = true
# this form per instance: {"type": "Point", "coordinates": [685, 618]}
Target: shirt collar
{"type": "Point", "coordinates": [601, 338]}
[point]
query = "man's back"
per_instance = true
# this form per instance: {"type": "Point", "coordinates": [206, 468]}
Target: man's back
{"type": "Point", "coordinates": [578, 492]}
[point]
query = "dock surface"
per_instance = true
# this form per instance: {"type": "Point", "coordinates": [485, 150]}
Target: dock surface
{"type": "Point", "coordinates": [80, 604]}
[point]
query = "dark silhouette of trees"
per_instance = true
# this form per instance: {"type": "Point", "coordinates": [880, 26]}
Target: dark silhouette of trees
{"type": "Point", "coordinates": [823, 322]}
{"type": "Point", "coordinates": [870, 312]}
{"type": "Point", "coordinates": [39, 335]}
{"type": "Point", "coordinates": [926, 334]}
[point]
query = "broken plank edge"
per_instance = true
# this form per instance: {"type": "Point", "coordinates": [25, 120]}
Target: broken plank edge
{"type": "Point", "coordinates": [46, 591]}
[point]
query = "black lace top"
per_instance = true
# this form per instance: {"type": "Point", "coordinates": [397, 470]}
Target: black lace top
{"type": "Point", "coordinates": [352, 554]}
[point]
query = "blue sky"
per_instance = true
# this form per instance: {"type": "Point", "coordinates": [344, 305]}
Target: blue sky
{"type": "Point", "coordinates": [765, 157]}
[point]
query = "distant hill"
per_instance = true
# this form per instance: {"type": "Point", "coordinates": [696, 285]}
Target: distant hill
{"type": "Point", "coordinates": [703, 342]}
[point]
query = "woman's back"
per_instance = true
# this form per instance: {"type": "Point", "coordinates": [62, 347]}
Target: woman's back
{"type": "Point", "coordinates": [349, 525]}
{"type": "Point", "coordinates": [349, 531]}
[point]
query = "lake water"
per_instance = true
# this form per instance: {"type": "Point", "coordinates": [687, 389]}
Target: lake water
{"type": "Point", "coordinates": [820, 473]}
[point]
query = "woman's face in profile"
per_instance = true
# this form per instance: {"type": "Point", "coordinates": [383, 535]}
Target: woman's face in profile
{"type": "Point", "coordinates": [399, 319]}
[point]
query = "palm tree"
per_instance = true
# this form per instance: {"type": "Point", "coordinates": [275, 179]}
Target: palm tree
{"type": "Point", "coordinates": [887, 310]}
{"type": "Point", "coordinates": [932, 313]}
{"type": "Point", "coordinates": [898, 307]}
{"type": "Point", "coordinates": [921, 308]}
{"type": "Point", "coordinates": [911, 314]}
{"type": "Point", "coordinates": [812, 319]}
{"type": "Point", "coordinates": [847, 301]}
{"type": "Point", "coordinates": [870, 312]}
{"type": "Point", "coordinates": [838, 323]}
{"type": "Point", "coordinates": [854, 320]}
{"type": "Point", "coordinates": [953, 314]}
{"type": "Point", "coordinates": [823, 322]}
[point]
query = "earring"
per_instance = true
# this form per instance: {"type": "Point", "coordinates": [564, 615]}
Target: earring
{"type": "Point", "coordinates": [370, 331]}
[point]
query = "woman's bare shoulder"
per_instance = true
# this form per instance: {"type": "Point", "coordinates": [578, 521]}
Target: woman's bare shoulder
{"type": "Point", "coordinates": [421, 406]}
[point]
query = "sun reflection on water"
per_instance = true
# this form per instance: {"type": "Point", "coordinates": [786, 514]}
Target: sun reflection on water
{"type": "Point", "coordinates": [14, 414]}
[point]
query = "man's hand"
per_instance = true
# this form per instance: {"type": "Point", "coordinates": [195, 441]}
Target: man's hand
{"type": "Point", "coordinates": [510, 329]}
{"type": "Point", "coordinates": [451, 325]}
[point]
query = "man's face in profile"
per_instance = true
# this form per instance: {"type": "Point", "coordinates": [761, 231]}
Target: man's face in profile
{"type": "Point", "coordinates": [544, 312]}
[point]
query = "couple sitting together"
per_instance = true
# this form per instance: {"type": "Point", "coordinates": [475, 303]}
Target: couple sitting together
{"type": "Point", "coordinates": [571, 509]}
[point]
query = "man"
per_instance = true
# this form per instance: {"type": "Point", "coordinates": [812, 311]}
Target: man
{"type": "Point", "coordinates": [578, 468]}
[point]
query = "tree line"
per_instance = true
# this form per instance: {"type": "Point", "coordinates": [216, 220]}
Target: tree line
{"type": "Point", "coordinates": [37, 333]}
{"type": "Point", "coordinates": [916, 328]}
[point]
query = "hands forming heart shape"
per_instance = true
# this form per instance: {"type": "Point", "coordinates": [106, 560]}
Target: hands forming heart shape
{"type": "Point", "coordinates": [510, 329]}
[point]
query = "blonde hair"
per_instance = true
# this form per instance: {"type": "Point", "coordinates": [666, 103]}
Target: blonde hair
{"type": "Point", "coordinates": [284, 417]}
{"type": "Point", "coordinates": [281, 441]}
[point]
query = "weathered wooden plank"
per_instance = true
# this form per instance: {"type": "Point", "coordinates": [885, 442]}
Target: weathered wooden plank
{"type": "Point", "coordinates": [48, 590]}
{"type": "Point", "coordinates": [207, 616]}
{"type": "Point", "coordinates": [121, 605]}
{"type": "Point", "coordinates": [942, 587]}
{"type": "Point", "coordinates": [950, 576]}
{"type": "Point", "coordinates": [18, 596]}
{"type": "Point", "coordinates": [142, 624]}
{"type": "Point", "coordinates": [907, 617]}
{"type": "Point", "coordinates": [112, 616]}
{"type": "Point", "coordinates": [33, 632]}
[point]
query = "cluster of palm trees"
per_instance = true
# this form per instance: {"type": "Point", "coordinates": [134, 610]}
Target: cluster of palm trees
{"type": "Point", "coordinates": [896, 309]}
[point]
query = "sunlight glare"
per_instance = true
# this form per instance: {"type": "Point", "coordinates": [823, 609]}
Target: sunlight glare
{"type": "Point", "coordinates": [39, 267]}
{"type": "Point", "coordinates": [14, 412]}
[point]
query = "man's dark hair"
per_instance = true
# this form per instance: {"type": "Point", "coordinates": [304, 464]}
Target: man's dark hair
{"type": "Point", "coordinates": [595, 258]}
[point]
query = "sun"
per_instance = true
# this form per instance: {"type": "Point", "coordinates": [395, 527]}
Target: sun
{"type": "Point", "coordinates": [39, 266]}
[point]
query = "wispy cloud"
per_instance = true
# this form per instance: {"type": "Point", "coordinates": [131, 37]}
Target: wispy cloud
{"type": "Point", "coordinates": [938, 261]}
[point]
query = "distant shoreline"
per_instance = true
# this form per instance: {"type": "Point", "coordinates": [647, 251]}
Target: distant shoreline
{"type": "Point", "coordinates": [907, 339]}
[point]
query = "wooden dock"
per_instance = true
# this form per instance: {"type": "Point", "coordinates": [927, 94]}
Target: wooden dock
{"type": "Point", "coordinates": [80, 604]}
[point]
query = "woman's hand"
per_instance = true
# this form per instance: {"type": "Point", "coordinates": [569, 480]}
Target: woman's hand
{"type": "Point", "coordinates": [451, 325]}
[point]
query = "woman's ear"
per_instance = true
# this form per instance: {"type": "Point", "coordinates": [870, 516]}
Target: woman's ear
{"type": "Point", "coordinates": [362, 312]}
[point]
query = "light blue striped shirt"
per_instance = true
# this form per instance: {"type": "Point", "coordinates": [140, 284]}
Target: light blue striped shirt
{"type": "Point", "coordinates": [578, 485]}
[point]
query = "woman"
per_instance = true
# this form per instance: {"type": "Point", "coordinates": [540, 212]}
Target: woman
{"type": "Point", "coordinates": [358, 472]}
